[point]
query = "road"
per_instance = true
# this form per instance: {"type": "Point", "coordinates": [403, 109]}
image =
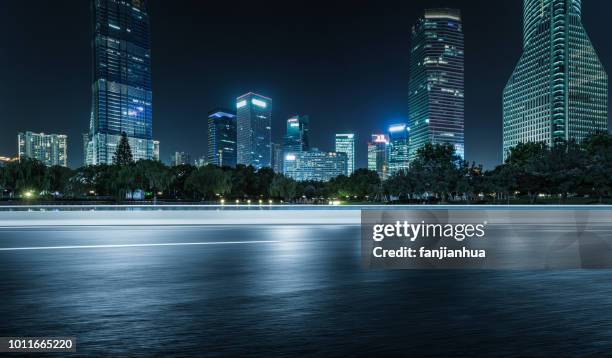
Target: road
{"type": "Point", "coordinates": [293, 289]}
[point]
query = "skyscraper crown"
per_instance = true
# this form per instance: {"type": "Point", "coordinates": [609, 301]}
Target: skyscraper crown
{"type": "Point", "coordinates": [535, 10]}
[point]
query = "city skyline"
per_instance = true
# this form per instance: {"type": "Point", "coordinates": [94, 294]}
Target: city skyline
{"type": "Point", "coordinates": [330, 112]}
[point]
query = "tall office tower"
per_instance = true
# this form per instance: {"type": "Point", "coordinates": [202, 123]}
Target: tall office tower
{"type": "Point", "coordinates": [559, 88]}
{"type": "Point", "coordinates": [345, 143]}
{"type": "Point", "coordinates": [121, 88]}
{"type": "Point", "coordinates": [277, 158]}
{"type": "Point", "coordinates": [254, 130]}
{"type": "Point", "coordinates": [222, 138]}
{"type": "Point", "coordinates": [378, 152]}
{"type": "Point", "coordinates": [296, 138]}
{"type": "Point", "coordinates": [86, 140]}
{"type": "Point", "coordinates": [315, 165]}
{"type": "Point", "coordinates": [156, 150]}
{"type": "Point", "coordinates": [399, 148]}
{"type": "Point", "coordinates": [180, 158]}
{"type": "Point", "coordinates": [436, 87]}
{"type": "Point", "coordinates": [50, 149]}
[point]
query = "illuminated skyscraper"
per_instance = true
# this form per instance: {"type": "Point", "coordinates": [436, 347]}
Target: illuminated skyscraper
{"type": "Point", "coordinates": [254, 130]}
{"type": "Point", "coordinates": [345, 143]}
{"type": "Point", "coordinates": [121, 88]}
{"type": "Point", "coordinates": [436, 89]}
{"type": "Point", "coordinates": [222, 138]}
{"type": "Point", "coordinates": [399, 148]}
{"type": "Point", "coordinates": [181, 158]}
{"type": "Point", "coordinates": [297, 136]}
{"type": "Point", "coordinates": [277, 158]}
{"type": "Point", "coordinates": [50, 149]}
{"type": "Point", "coordinates": [378, 154]}
{"type": "Point", "coordinates": [156, 150]}
{"type": "Point", "coordinates": [559, 88]}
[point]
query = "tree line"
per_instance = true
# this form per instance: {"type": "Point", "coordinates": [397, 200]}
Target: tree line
{"type": "Point", "coordinates": [437, 175]}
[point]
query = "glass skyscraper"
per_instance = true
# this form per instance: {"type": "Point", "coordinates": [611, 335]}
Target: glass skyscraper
{"type": "Point", "coordinates": [345, 143]}
{"type": "Point", "coordinates": [297, 138]}
{"type": "Point", "coordinates": [121, 88]}
{"type": "Point", "coordinates": [378, 155]}
{"type": "Point", "coordinates": [436, 88]}
{"type": "Point", "coordinates": [222, 138]}
{"type": "Point", "coordinates": [559, 88]}
{"type": "Point", "coordinates": [399, 148]}
{"type": "Point", "coordinates": [254, 130]}
{"type": "Point", "coordinates": [50, 149]}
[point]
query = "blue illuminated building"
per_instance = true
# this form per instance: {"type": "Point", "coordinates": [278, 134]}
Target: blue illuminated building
{"type": "Point", "coordinates": [254, 130]}
{"type": "Point", "coordinates": [399, 148]}
{"type": "Point", "coordinates": [121, 88]}
{"type": "Point", "coordinates": [222, 138]}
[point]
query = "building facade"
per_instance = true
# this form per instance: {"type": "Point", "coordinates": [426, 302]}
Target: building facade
{"type": "Point", "coordinates": [277, 158]}
{"type": "Point", "coordinates": [436, 88]}
{"type": "Point", "coordinates": [181, 158]}
{"type": "Point", "coordinates": [156, 150]}
{"type": "Point", "coordinates": [254, 130]}
{"type": "Point", "coordinates": [50, 149]}
{"type": "Point", "coordinates": [297, 134]}
{"type": "Point", "coordinates": [222, 138]}
{"type": "Point", "coordinates": [315, 165]}
{"type": "Point", "coordinates": [345, 143]}
{"type": "Point", "coordinates": [378, 155]}
{"type": "Point", "coordinates": [399, 148]}
{"type": "Point", "coordinates": [121, 88]}
{"type": "Point", "coordinates": [559, 88]}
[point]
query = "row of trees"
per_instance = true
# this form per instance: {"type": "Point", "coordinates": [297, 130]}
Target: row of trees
{"type": "Point", "coordinates": [530, 170]}
{"type": "Point", "coordinates": [437, 175]}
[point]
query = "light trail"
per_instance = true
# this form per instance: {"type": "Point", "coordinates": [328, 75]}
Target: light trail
{"type": "Point", "coordinates": [112, 246]}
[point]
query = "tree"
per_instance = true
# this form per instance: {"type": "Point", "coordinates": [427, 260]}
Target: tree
{"type": "Point", "coordinates": [26, 175]}
{"type": "Point", "coordinates": [437, 168]}
{"type": "Point", "coordinates": [152, 175]}
{"type": "Point", "coordinates": [365, 183]}
{"type": "Point", "coordinates": [59, 178]}
{"type": "Point", "coordinates": [209, 182]}
{"type": "Point", "coordinates": [529, 162]}
{"type": "Point", "coordinates": [123, 155]}
{"type": "Point", "coordinates": [283, 188]}
{"type": "Point", "coordinates": [598, 171]}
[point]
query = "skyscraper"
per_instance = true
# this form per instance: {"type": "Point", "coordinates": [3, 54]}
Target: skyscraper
{"type": "Point", "coordinates": [315, 165]}
{"type": "Point", "coordinates": [277, 158]}
{"type": "Point", "coordinates": [121, 88]}
{"type": "Point", "coordinates": [345, 143]}
{"type": "Point", "coordinates": [180, 158]}
{"type": "Point", "coordinates": [297, 136]}
{"type": "Point", "coordinates": [156, 150]}
{"type": "Point", "coordinates": [436, 88]}
{"type": "Point", "coordinates": [50, 149]}
{"type": "Point", "coordinates": [254, 130]}
{"type": "Point", "coordinates": [378, 155]}
{"type": "Point", "coordinates": [559, 88]}
{"type": "Point", "coordinates": [222, 138]}
{"type": "Point", "coordinates": [399, 148]}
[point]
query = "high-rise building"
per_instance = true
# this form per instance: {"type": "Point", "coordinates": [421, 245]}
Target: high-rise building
{"type": "Point", "coordinates": [277, 158]}
{"type": "Point", "coordinates": [181, 158]}
{"type": "Point", "coordinates": [315, 165]}
{"type": "Point", "coordinates": [559, 88]}
{"type": "Point", "coordinates": [436, 88]}
{"type": "Point", "coordinates": [156, 150]}
{"type": "Point", "coordinates": [399, 148]}
{"type": "Point", "coordinates": [378, 152]}
{"type": "Point", "coordinates": [297, 136]}
{"type": "Point", "coordinates": [50, 149]}
{"type": "Point", "coordinates": [345, 143]}
{"type": "Point", "coordinates": [121, 88]}
{"type": "Point", "coordinates": [222, 138]}
{"type": "Point", "coordinates": [254, 130]}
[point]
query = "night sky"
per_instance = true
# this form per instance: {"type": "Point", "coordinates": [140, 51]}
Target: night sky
{"type": "Point", "coordinates": [344, 64]}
